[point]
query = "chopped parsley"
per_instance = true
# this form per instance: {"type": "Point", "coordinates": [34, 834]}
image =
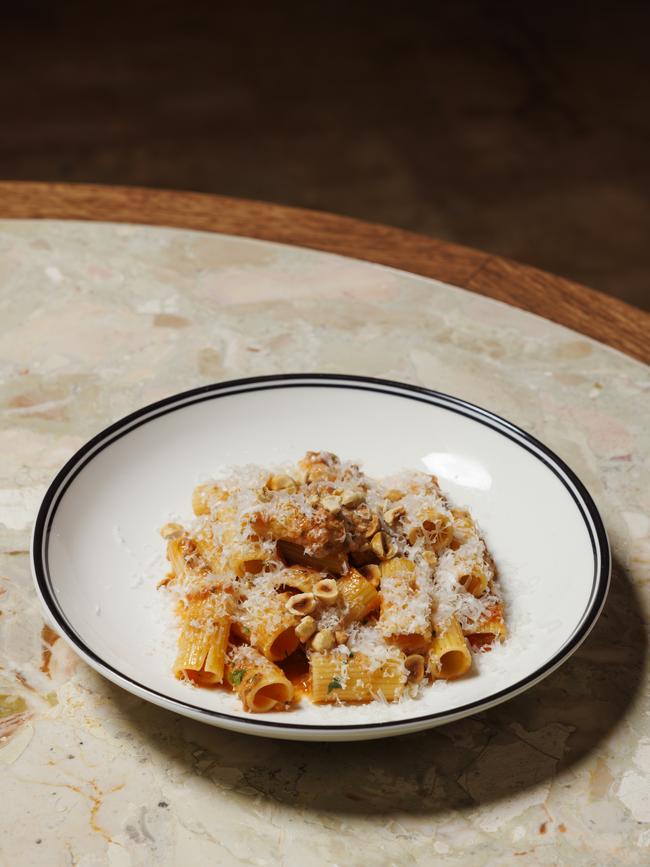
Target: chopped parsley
{"type": "Point", "coordinates": [351, 654]}
{"type": "Point", "coordinates": [334, 683]}
{"type": "Point", "coordinates": [237, 676]}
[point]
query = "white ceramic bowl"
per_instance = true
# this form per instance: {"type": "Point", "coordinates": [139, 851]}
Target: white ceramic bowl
{"type": "Point", "coordinates": [97, 555]}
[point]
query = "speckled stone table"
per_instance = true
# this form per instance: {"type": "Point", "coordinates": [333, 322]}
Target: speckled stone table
{"type": "Point", "coordinates": [98, 319]}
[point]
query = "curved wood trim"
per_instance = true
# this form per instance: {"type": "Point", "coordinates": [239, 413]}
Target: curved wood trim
{"type": "Point", "coordinates": [599, 316]}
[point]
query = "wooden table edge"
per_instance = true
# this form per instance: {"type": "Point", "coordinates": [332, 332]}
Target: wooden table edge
{"type": "Point", "coordinates": [587, 311]}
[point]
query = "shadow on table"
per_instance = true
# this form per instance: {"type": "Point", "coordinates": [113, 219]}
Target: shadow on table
{"type": "Point", "coordinates": [493, 755]}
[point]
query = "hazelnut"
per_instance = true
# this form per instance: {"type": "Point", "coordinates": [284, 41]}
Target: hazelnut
{"type": "Point", "coordinates": [280, 482]}
{"type": "Point", "coordinates": [326, 590]}
{"type": "Point", "coordinates": [351, 498]}
{"type": "Point", "coordinates": [301, 603]}
{"type": "Point", "coordinates": [171, 531]}
{"type": "Point", "coordinates": [331, 504]}
{"type": "Point", "coordinates": [415, 667]}
{"type": "Point", "coordinates": [305, 629]}
{"type": "Point", "coordinates": [382, 547]}
{"type": "Point", "coordinates": [392, 515]}
{"type": "Point", "coordinates": [323, 640]}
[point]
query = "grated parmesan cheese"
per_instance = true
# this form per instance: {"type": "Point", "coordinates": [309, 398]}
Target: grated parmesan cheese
{"type": "Point", "coordinates": [329, 514]}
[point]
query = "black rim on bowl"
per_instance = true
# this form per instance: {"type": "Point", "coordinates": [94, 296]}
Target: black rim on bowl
{"type": "Point", "coordinates": [578, 492]}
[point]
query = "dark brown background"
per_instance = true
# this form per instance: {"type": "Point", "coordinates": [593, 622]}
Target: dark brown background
{"type": "Point", "coordinates": [522, 129]}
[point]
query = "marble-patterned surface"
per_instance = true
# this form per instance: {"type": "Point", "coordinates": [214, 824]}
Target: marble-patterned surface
{"type": "Point", "coordinates": [97, 320]}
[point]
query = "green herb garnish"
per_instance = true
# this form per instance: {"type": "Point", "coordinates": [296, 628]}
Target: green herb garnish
{"type": "Point", "coordinates": [351, 654]}
{"type": "Point", "coordinates": [334, 683]}
{"type": "Point", "coordinates": [237, 676]}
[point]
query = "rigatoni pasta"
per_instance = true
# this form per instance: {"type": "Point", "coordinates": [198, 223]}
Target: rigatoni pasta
{"type": "Point", "coordinates": [317, 581]}
{"type": "Point", "coordinates": [359, 596]}
{"type": "Point", "coordinates": [203, 640]}
{"type": "Point", "coordinates": [449, 654]}
{"type": "Point", "coordinates": [260, 685]}
{"type": "Point", "coordinates": [338, 676]}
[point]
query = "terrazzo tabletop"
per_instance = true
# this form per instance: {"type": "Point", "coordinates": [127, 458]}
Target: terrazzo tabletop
{"type": "Point", "coordinates": [99, 319]}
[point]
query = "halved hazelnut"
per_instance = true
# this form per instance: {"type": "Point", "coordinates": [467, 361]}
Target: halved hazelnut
{"type": "Point", "coordinates": [323, 640]}
{"type": "Point", "coordinates": [305, 629]}
{"type": "Point", "coordinates": [373, 573]}
{"type": "Point", "coordinates": [281, 482]}
{"type": "Point", "coordinates": [382, 546]}
{"type": "Point", "coordinates": [377, 545]}
{"type": "Point", "coordinates": [326, 590]}
{"type": "Point", "coordinates": [392, 515]}
{"type": "Point", "coordinates": [171, 531]}
{"type": "Point", "coordinates": [352, 498]}
{"type": "Point", "coordinates": [415, 667]}
{"type": "Point", "coordinates": [331, 504]}
{"type": "Point", "coordinates": [301, 603]}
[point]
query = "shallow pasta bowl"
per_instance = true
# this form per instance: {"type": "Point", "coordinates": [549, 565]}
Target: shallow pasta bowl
{"type": "Point", "coordinates": [97, 556]}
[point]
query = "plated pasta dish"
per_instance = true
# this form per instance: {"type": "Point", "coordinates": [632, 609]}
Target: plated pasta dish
{"type": "Point", "coordinates": [316, 581]}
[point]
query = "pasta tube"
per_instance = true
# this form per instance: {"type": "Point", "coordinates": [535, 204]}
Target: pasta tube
{"type": "Point", "coordinates": [299, 578]}
{"type": "Point", "coordinates": [246, 558]}
{"type": "Point", "coordinates": [412, 643]}
{"type": "Point", "coordinates": [405, 605]}
{"type": "Point", "coordinates": [463, 528]}
{"type": "Point", "coordinates": [488, 630]}
{"type": "Point", "coordinates": [337, 677]}
{"type": "Point", "coordinates": [434, 527]}
{"type": "Point", "coordinates": [241, 555]}
{"type": "Point", "coordinates": [206, 497]}
{"type": "Point", "coordinates": [268, 625]}
{"type": "Point", "coordinates": [449, 655]}
{"type": "Point", "coordinates": [359, 596]}
{"type": "Point", "coordinates": [203, 639]}
{"type": "Point", "coordinates": [186, 560]}
{"type": "Point", "coordinates": [260, 685]}
{"type": "Point", "coordinates": [474, 577]}
{"type": "Point", "coordinates": [208, 549]}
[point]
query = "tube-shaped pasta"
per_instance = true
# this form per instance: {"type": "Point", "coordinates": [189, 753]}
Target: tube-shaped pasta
{"type": "Point", "coordinates": [449, 655]}
{"type": "Point", "coordinates": [217, 532]}
{"type": "Point", "coordinates": [260, 685]}
{"type": "Point", "coordinates": [185, 559]}
{"type": "Point", "coordinates": [208, 549]}
{"type": "Point", "coordinates": [203, 639]}
{"type": "Point", "coordinates": [224, 546]}
{"type": "Point", "coordinates": [359, 596]}
{"type": "Point", "coordinates": [474, 577]}
{"type": "Point", "coordinates": [413, 643]}
{"type": "Point", "coordinates": [434, 527]}
{"type": "Point", "coordinates": [206, 497]}
{"type": "Point", "coordinates": [299, 578]}
{"type": "Point", "coordinates": [405, 605]}
{"type": "Point", "coordinates": [247, 557]}
{"type": "Point", "coordinates": [489, 629]}
{"type": "Point", "coordinates": [438, 529]}
{"type": "Point", "coordinates": [321, 533]}
{"type": "Point", "coordinates": [464, 528]}
{"type": "Point", "coordinates": [337, 677]}
{"type": "Point", "coordinates": [319, 466]}
{"type": "Point", "coordinates": [269, 627]}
